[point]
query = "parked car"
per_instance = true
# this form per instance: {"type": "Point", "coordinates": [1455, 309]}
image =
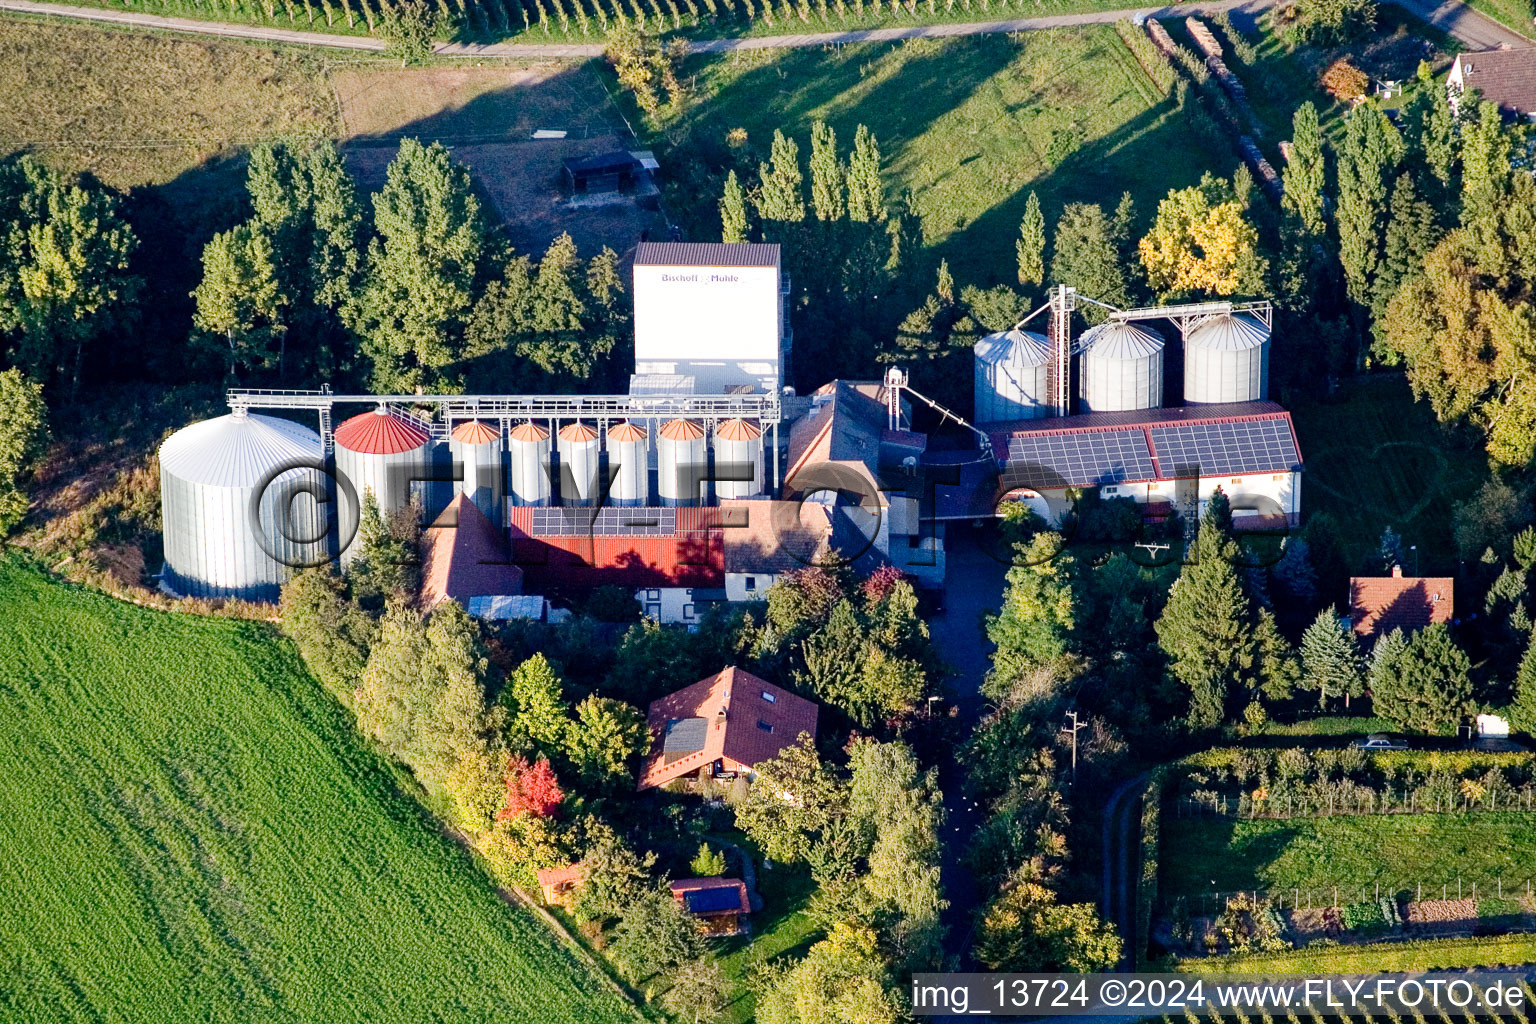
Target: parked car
{"type": "Point", "coordinates": [1379, 741]}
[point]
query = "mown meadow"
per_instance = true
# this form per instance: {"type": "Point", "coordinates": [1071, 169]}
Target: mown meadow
{"type": "Point", "coordinates": [192, 832]}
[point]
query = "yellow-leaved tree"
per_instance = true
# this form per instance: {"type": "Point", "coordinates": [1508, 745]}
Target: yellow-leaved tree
{"type": "Point", "coordinates": [1202, 244]}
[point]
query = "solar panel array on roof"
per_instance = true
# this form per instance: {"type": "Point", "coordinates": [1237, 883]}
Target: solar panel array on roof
{"type": "Point", "coordinates": [712, 901]}
{"type": "Point", "coordinates": [1080, 459]}
{"type": "Point", "coordinates": [1226, 449]}
{"type": "Point", "coordinates": [604, 522]}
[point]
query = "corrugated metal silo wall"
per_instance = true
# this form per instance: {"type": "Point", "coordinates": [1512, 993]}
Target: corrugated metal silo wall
{"type": "Point", "coordinates": [1119, 385]}
{"type": "Point", "coordinates": [1010, 392]}
{"type": "Point", "coordinates": [481, 476]}
{"type": "Point", "coordinates": [680, 469]}
{"type": "Point", "coordinates": [528, 472]}
{"type": "Point", "coordinates": [1219, 375]}
{"type": "Point", "coordinates": [628, 472]}
{"type": "Point", "coordinates": [389, 477]}
{"type": "Point", "coordinates": [735, 459]}
{"type": "Point", "coordinates": [214, 548]}
{"type": "Point", "coordinates": [580, 464]}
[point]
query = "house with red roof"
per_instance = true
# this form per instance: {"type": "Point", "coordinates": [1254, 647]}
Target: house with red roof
{"type": "Point", "coordinates": [723, 725]}
{"type": "Point", "coordinates": [1380, 604]}
{"type": "Point", "coordinates": [465, 556]}
{"type": "Point", "coordinates": [558, 885]}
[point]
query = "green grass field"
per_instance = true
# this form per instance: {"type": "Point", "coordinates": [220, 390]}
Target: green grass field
{"type": "Point", "coordinates": [1396, 851]}
{"type": "Point", "coordinates": [192, 833]}
{"type": "Point", "coordinates": [1375, 458]}
{"type": "Point", "coordinates": [969, 125]}
{"type": "Point", "coordinates": [1422, 955]}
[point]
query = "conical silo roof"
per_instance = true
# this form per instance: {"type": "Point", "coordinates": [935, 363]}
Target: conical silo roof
{"type": "Point", "coordinates": [475, 432]}
{"type": "Point", "coordinates": [577, 432]}
{"type": "Point", "coordinates": [681, 430]}
{"type": "Point", "coordinates": [1119, 340]}
{"type": "Point", "coordinates": [533, 432]}
{"type": "Point", "coordinates": [1014, 348]}
{"type": "Point", "coordinates": [1229, 331]}
{"type": "Point", "coordinates": [237, 450]}
{"type": "Point", "coordinates": [738, 430]}
{"type": "Point", "coordinates": [380, 432]}
{"type": "Point", "coordinates": [625, 433]}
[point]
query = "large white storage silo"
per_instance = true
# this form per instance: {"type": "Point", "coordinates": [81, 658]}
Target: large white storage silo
{"type": "Point", "coordinates": [382, 453]}
{"type": "Point", "coordinates": [628, 469]}
{"type": "Point", "coordinates": [579, 449]}
{"type": "Point", "coordinates": [1226, 359]}
{"type": "Point", "coordinates": [1012, 376]}
{"type": "Point", "coordinates": [682, 459]}
{"type": "Point", "coordinates": [528, 466]}
{"type": "Point", "coordinates": [1121, 368]}
{"type": "Point", "coordinates": [242, 505]}
{"type": "Point", "coordinates": [738, 459]}
{"type": "Point", "coordinates": [476, 446]}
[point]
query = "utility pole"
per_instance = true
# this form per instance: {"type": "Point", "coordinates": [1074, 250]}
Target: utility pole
{"type": "Point", "coordinates": [1074, 728]}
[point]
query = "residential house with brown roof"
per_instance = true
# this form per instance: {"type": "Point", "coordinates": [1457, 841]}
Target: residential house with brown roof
{"type": "Point", "coordinates": [1380, 604]}
{"type": "Point", "coordinates": [766, 539]}
{"type": "Point", "coordinates": [722, 725]}
{"type": "Point", "coordinates": [1505, 77]}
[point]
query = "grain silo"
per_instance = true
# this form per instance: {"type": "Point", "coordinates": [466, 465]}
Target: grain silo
{"type": "Point", "coordinates": [243, 503]}
{"type": "Point", "coordinates": [1121, 368]}
{"type": "Point", "coordinates": [579, 450]}
{"type": "Point", "coordinates": [528, 466]}
{"type": "Point", "coordinates": [378, 452]}
{"type": "Point", "coordinates": [738, 459]}
{"type": "Point", "coordinates": [628, 469]}
{"type": "Point", "coordinates": [1226, 359]}
{"type": "Point", "coordinates": [1012, 376]}
{"type": "Point", "coordinates": [476, 446]}
{"type": "Point", "coordinates": [682, 458]}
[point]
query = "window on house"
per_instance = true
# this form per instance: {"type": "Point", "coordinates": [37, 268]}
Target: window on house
{"type": "Point", "coordinates": [770, 698]}
{"type": "Point", "coordinates": [765, 726]}
{"type": "Point", "coordinates": [751, 582]}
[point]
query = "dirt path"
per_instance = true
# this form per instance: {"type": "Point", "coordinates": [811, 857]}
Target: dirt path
{"type": "Point", "coordinates": [582, 51]}
{"type": "Point", "coordinates": [1474, 30]}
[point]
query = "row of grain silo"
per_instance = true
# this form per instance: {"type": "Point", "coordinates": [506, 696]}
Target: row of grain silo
{"type": "Point", "coordinates": [248, 498]}
{"type": "Point", "coordinates": [1121, 368]}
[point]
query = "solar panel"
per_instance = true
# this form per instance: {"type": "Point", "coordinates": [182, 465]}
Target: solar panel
{"type": "Point", "coordinates": [1080, 459]}
{"type": "Point", "coordinates": [710, 901]}
{"type": "Point", "coordinates": [1226, 449]}
{"type": "Point", "coordinates": [604, 522]}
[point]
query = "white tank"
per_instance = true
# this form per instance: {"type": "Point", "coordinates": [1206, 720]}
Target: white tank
{"type": "Point", "coordinates": [628, 469]}
{"type": "Point", "coordinates": [1012, 376]}
{"type": "Point", "coordinates": [382, 453]}
{"type": "Point", "coordinates": [243, 503]}
{"type": "Point", "coordinates": [682, 459]}
{"type": "Point", "coordinates": [528, 465]}
{"type": "Point", "coordinates": [1121, 368]}
{"type": "Point", "coordinates": [1226, 359]}
{"type": "Point", "coordinates": [476, 446]}
{"type": "Point", "coordinates": [738, 459]}
{"type": "Point", "coordinates": [579, 448]}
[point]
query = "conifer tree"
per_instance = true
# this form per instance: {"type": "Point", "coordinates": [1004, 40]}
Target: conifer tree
{"type": "Point", "coordinates": [1305, 174]}
{"type": "Point", "coordinates": [1330, 659]}
{"type": "Point", "coordinates": [1428, 687]}
{"type": "Point", "coordinates": [1083, 256]}
{"type": "Point", "coordinates": [1203, 628]}
{"type": "Point", "coordinates": [781, 194]}
{"type": "Point", "coordinates": [827, 185]}
{"type": "Point", "coordinates": [733, 211]}
{"type": "Point", "coordinates": [1367, 158]}
{"type": "Point", "coordinates": [1411, 234]}
{"type": "Point", "coordinates": [866, 192]}
{"type": "Point", "coordinates": [1522, 713]}
{"type": "Point", "coordinates": [1030, 246]}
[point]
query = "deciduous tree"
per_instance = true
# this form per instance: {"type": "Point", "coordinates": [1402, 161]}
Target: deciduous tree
{"type": "Point", "coordinates": [23, 433]}
{"type": "Point", "coordinates": [1202, 244]}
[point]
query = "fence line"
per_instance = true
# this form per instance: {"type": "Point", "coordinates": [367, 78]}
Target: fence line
{"type": "Point", "coordinates": [1338, 896]}
{"type": "Point", "coordinates": [1407, 801]}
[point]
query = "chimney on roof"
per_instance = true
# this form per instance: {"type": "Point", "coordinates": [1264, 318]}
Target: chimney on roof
{"type": "Point", "coordinates": [1397, 572]}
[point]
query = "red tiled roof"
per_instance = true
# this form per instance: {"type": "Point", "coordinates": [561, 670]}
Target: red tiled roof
{"type": "Point", "coordinates": [380, 432]}
{"type": "Point", "coordinates": [774, 536]}
{"type": "Point", "coordinates": [742, 726]}
{"type": "Point", "coordinates": [464, 556]}
{"type": "Point", "coordinates": [554, 876]}
{"type": "Point", "coordinates": [1380, 604]}
{"type": "Point", "coordinates": [691, 556]}
{"type": "Point", "coordinates": [475, 432]}
{"type": "Point", "coordinates": [684, 886]}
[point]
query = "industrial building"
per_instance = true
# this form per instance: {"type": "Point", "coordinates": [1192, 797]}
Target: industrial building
{"type": "Point", "coordinates": [1119, 440]}
{"type": "Point", "coordinates": [710, 479]}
